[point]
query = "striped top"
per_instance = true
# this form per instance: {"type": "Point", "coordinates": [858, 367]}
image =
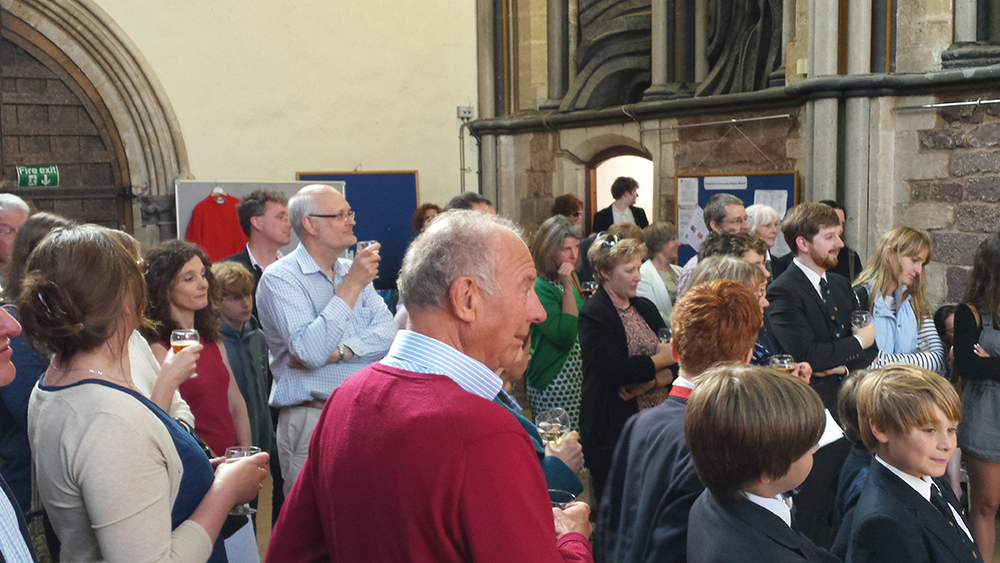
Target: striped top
{"type": "Point", "coordinates": [418, 353]}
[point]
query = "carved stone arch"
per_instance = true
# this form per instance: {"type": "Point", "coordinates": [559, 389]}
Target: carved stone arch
{"type": "Point", "coordinates": [99, 50]}
{"type": "Point", "coordinates": [594, 149]}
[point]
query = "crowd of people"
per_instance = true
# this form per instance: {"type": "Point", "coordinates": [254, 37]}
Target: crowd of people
{"type": "Point", "coordinates": [743, 407]}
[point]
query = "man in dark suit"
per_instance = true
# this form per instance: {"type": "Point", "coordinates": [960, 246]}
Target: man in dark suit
{"type": "Point", "coordinates": [643, 515]}
{"type": "Point", "coordinates": [264, 219]}
{"type": "Point", "coordinates": [625, 190]}
{"type": "Point", "coordinates": [810, 314]}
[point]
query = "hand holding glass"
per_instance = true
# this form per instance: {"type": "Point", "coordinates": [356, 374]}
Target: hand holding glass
{"type": "Point", "coordinates": [860, 319]}
{"type": "Point", "coordinates": [561, 499]}
{"type": "Point", "coordinates": [588, 288]}
{"type": "Point", "coordinates": [181, 339]}
{"type": "Point", "coordinates": [551, 424]}
{"type": "Point", "coordinates": [233, 454]}
{"type": "Point", "coordinates": [784, 362]}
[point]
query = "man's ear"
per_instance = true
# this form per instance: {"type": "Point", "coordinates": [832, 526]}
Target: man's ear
{"type": "Point", "coordinates": [255, 223]}
{"type": "Point", "coordinates": [882, 437]}
{"type": "Point", "coordinates": [802, 244]}
{"type": "Point", "coordinates": [308, 225]}
{"type": "Point", "coordinates": [673, 352]}
{"type": "Point", "coordinates": [714, 227]}
{"type": "Point", "coordinates": [749, 356]}
{"type": "Point", "coordinates": [464, 297]}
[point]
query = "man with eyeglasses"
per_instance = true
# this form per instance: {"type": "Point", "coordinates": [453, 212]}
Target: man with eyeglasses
{"type": "Point", "coordinates": [13, 212]}
{"type": "Point", "coordinates": [723, 212]}
{"type": "Point", "coordinates": [321, 315]}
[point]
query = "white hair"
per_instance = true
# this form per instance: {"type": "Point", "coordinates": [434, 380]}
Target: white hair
{"type": "Point", "coordinates": [457, 243]}
{"type": "Point", "coordinates": [302, 204]}
{"type": "Point", "coordinates": [759, 214]}
{"type": "Point", "coordinates": [10, 202]}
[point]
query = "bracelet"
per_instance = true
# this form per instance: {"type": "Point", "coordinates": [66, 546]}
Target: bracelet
{"type": "Point", "coordinates": [340, 352]}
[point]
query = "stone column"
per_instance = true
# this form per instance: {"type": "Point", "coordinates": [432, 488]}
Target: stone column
{"type": "Point", "coordinates": [701, 39]}
{"type": "Point", "coordinates": [823, 42]}
{"type": "Point", "coordinates": [486, 32]}
{"type": "Point", "coordinates": [965, 20]}
{"type": "Point", "coordinates": [558, 46]}
{"type": "Point", "coordinates": [858, 127]}
{"type": "Point", "coordinates": [662, 37]}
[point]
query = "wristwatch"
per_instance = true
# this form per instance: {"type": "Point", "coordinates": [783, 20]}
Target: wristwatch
{"type": "Point", "coordinates": [340, 352]}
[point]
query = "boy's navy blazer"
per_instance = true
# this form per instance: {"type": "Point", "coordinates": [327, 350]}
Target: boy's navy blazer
{"type": "Point", "coordinates": [745, 533]}
{"type": "Point", "coordinates": [892, 523]}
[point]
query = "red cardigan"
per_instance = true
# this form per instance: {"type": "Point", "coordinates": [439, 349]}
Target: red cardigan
{"type": "Point", "coordinates": [410, 467]}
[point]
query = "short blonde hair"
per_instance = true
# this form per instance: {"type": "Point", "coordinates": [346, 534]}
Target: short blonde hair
{"type": "Point", "coordinates": [232, 278]}
{"type": "Point", "coordinates": [610, 250]}
{"type": "Point", "coordinates": [727, 267]}
{"type": "Point", "coordinates": [901, 397]}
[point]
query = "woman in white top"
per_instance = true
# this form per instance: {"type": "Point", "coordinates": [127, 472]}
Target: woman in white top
{"type": "Point", "coordinates": [659, 273]}
{"type": "Point", "coordinates": [121, 480]}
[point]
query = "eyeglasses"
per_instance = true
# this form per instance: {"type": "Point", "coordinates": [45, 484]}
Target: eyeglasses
{"type": "Point", "coordinates": [343, 215]}
{"type": "Point", "coordinates": [611, 241]}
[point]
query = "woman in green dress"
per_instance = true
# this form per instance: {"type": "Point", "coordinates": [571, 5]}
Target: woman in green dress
{"type": "Point", "coordinates": [554, 374]}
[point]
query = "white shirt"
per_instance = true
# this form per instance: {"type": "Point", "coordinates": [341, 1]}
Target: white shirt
{"type": "Point", "coordinates": [681, 382]}
{"type": "Point", "coordinates": [622, 216]}
{"type": "Point", "coordinates": [775, 505]}
{"type": "Point", "coordinates": [923, 487]}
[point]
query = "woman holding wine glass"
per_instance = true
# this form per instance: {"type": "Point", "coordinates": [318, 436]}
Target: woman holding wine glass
{"type": "Point", "coordinates": [891, 288]}
{"type": "Point", "coordinates": [554, 374]}
{"type": "Point", "coordinates": [121, 480]}
{"type": "Point", "coordinates": [622, 355]}
{"type": "Point", "coordinates": [180, 285]}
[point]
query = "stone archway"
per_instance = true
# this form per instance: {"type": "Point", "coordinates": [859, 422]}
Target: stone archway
{"type": "Point", "coordinates": [99, 56]}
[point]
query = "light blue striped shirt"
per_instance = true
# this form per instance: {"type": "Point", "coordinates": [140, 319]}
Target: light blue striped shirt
{"type": "Point", "coordinates": [303, 318]}
{"type": "Point", "coordinates": [12, 544]}
{"type": "Point", "coordinates": [418, 353]}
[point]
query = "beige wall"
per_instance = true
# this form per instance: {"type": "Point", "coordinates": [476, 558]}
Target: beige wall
{"type": "Point", "coordinates": [265, 89]}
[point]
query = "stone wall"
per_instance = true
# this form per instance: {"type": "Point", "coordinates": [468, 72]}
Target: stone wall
{"type": "Point", "coordinates": [963, 207]}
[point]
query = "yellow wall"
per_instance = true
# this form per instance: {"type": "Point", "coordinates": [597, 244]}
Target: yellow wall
{"type": "Point", "coordinates": [265, 89]}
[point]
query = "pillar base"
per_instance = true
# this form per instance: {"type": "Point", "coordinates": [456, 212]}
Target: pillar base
{"type": "Point", "coordinates": [668, 92]}
{"type": "Point", "coordinates": [971, 54]}
{"type": "Point", "coordinates": [550, 105]}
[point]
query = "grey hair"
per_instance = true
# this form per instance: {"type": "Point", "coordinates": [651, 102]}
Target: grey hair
{"type": "Point", "coordinates": [715, 209]}
{"type": "Point", "coordinates": [302, 204]}
{"type": "Point", "coordinates": [728, 268]}
{"type": "Point", "coordinates": [10, 202]}
{"type": "Point", "coordinates": [454, 244]}
{"type": "Point", "coordinates": [759, 214]}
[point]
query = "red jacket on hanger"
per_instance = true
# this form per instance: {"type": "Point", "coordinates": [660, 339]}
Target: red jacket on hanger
{"type": "Point", "coordinates": [215, 227]}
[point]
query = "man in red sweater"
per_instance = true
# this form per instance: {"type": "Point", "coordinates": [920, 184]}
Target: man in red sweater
{"type": "Point", "coordinates": [411, 460]}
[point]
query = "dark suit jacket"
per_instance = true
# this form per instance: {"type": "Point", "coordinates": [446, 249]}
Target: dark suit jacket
{"type": "Point", "coordinates": [652, 485]}
{"type": "Point", "coordinates": [892, 523]}
{"type": "Point", "coordinates": [779, 264]}
{"type": "Point", "coordinates": [745, 533]}
{"type": "Point", "coordinates": [606, 367]}
{"type": "Point", "coordinates": [604, 218]}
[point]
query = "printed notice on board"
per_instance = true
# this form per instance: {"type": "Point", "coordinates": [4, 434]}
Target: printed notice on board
{"type": "Point", "coordinates": [687, 192]}
{"type": "Point", "coordinates": [773, 198]}
{"type": "Point", "coordinates": [693, 230]}
{"type": "Point", "coordinates": [725, 182]}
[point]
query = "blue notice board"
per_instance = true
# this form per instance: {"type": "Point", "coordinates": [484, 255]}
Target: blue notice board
{"type": "Point", "coordinates": [750, 187]}
{"type": "Point", "coordinates": [384, 203]}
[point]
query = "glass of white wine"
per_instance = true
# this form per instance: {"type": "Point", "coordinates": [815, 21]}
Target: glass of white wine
{"type": "Point", "coordinates": [860, 318]}
{"type": "Point", "coordinates": [182, 338]}
{"type": "Point", "coordinates": [588, 288]}
{"type": "Point", "coordinates": [233, 454]}
{"type": "Point", "coordinates": [783, 362]}
{"type": "Point", "coordinates": [363, 244]}
{"type": "Point", "coordinates": [664, 334]}
{"type": "Point", "coordinates": [551, 424]}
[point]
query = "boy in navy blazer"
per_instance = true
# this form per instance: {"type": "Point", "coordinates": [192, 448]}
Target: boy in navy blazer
{"type": "Point", "coordinates": [908, 417]}
{"type": "Point", "coordinates": [752, 433]}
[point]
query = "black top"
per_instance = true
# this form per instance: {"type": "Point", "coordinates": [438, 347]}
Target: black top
{"type": "Point", "coordinates": [970, 366]}
{"type": "Point", "coordinates": [604, 218]}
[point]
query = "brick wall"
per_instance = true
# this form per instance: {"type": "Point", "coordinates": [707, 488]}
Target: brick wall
{"type": "Point", "coordinates": [964, 207]}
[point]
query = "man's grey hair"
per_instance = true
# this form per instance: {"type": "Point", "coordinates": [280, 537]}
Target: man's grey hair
{"type": "Point", "coordinates": [10, 202]}
{"type": "Point", "coordinates": [457, 243]}
{"type": "Point", "coordinates": [302, 204]}
{"type": "Point", "coordinates": [715, 209]}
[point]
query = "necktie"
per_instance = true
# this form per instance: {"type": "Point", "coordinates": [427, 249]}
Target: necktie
{"type": "Point", "coordinates": [831, 309]}
{"type": "Point", "coordinates": [937, 499]}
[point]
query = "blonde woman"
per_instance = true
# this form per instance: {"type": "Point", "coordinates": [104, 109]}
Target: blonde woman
{"type": "Point", "coordinates": [891, 286]}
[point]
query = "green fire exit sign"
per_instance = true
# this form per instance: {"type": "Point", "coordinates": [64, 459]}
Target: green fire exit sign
{"type": "Point", "coordinates": [33, 176]}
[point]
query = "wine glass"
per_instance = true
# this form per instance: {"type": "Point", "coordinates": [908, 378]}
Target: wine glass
{"type": "Point", "coordinates": [664, 334]}
{"type": "Point", "coordinates": [363, 244]}
{"type": "Point", "coordinates": [783, 362]}
{"type": "Point", "coordinates": [561, 499]}
{"type": "Point", "coordinates": [233, 454]}
{"type": "Point", "coordinates": [181, 338]}
{"type": "Point", "coordinates": [551, 424]}
{"type": "Point", "coordinates": [588, 288]}
{"type": "Point", "coordinates": [860, 319]}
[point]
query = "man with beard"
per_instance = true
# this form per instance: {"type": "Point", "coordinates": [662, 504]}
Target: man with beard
{"type": "Point", "coordinates": [810, 314]}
